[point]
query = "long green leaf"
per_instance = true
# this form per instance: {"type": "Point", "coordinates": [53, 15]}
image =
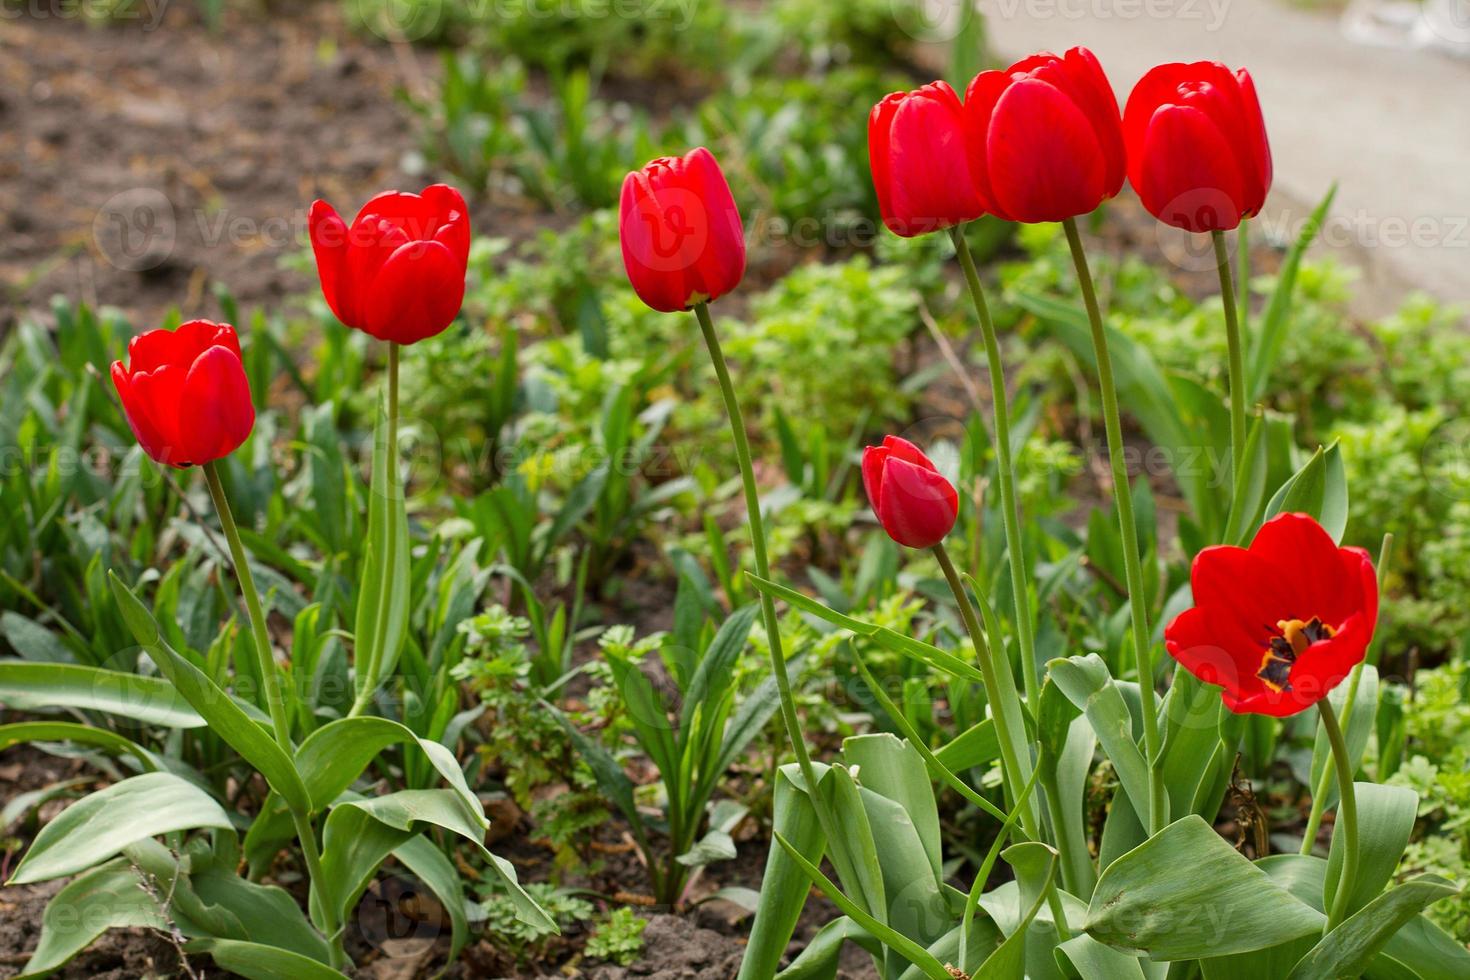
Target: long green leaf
{"type": "Point", "coordinates": [98, 826]}
{"type": "Point", "coordinates": [1265, 346]}
{"type": "Point", "coordinates": [1087, 684]}
{"type": "Point", "coordinates": [257, 961]}
{"type": "Point", "coordinates": [108, 896]}
{"type": "Point", "coordinates": [1386, 817]}
{"type": "Point", "coordinates": [1347, 950]}
{"type": "Point", "coordinates": [27, 686]}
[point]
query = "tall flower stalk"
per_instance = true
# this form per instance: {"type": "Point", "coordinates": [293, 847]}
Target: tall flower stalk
{"type": "Point", "coordinates": [1158, 814]}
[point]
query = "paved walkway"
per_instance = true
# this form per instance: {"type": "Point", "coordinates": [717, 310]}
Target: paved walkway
{"type": "Point", "coordinates": [1391, 125]}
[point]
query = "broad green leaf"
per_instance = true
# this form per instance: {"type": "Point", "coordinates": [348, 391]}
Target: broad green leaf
{"type": "Point", "coordinates": [70, 731]}
{"type": "Point", "coordinates": [1191, 718]}
{"type": "Point", "coordinates": [1185, 893]}
{"type": "Point", "coordinates": [924, 653]}
{"type": "Point", "coordinates": [1087, 684]}
{"type": "Point", "coordinates": [1035, 865]}
{"type": "Point", "coordinates": [98, 826]}
{"type": "Point", "coordinates": [1385, 820]}
{"type": "Point", "coordinates": [854, 853]}
{"type": "Point", "coordinates": [226, 718]}
{"type": "Point", "coordinates": [1318, 489]}
{"type": "Point", "coordinates": [976, 746]}
{"type": "Point", "coordinates": [1249, 490]}
{"type": "Point", "coordinates": [33, 641]}
{"type": "Point", "coordinates": [890, 938]}
{"type": "Point", "coordinates": [256, 961]}
{"type": "Point", "coordinates": [429, 865]}
{"type": "Point", "coordinates": [378, 632]}
{"type": "Point", "coordinates": [893, 768]}
{"type": "Point", "coordinates": [108, 896]}
{"type": "Point", "coordinates": [819, 958]}
{"type": "Point", "coordinates": [27, 686]}
{"type": "Point", "coordinates": [917, 906]}
{"type": "Point", "coordinates": [1347, 950]}
{"type": "Point", "coordinates": [784, 885]}
{"type": "Point", "coordinates": [1094, 961]}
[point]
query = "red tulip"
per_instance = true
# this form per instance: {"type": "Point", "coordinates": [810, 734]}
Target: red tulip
{"type": "Point", "coordinates": [915, 504]}
{"type": "Point", "coordinates": [1197, 150]}
{"type": "Point", "coordinates": [185, 394]}
{"type": "Point", "coordinates": [1278, 624]}
{"type": "Point", "coordinates": [398, 272]}
{"type": "Point", "coordinates": [917, 148]}
{"type": "Point", "coordinates": [682, 239]}
{"type": "Point", "coordinates": [1049, 141]}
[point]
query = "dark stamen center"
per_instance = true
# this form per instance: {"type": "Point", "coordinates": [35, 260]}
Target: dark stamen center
{"type": "Point", "coordinates": [1292, 639]}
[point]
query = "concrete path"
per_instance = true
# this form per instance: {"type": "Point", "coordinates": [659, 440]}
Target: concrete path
{"type": "Point", "coordinates": [1391, 125]}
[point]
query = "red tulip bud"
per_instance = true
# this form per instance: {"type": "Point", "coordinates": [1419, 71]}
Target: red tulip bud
{"type": "Point", "coordinates": [918, 151]}
{"type": "Point", "coordinates": [681, 234]}
{"type": "Point", "coordinates": [1197, 150]}
{"type": "Point", "coordinates": [1049, 142]}
{"type": "Point", "coordinates": [185, 394]}
{"type": "Point", "coordinates": [398, 272]}
{"type": "Point", "coordinates": [915, 504]}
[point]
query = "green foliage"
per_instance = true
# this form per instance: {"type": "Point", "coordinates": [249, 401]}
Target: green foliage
{"type": "Point", "coordinates": [526, 942]}
{"type": "Point", "coordinates": [618, 938]}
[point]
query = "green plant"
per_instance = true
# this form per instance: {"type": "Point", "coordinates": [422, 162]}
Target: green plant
{"type": "Point", "coordinates": [618, 938]}
{"type": "Point", "coordinates": [527, 941]}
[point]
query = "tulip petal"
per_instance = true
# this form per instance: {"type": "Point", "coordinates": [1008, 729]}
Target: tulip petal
{"type": "Point", "coordinates": [1187, 175]}
{"type": "Point", "coordinates": [930, 185]}
{"type": "Point", "coordinates": [873, 459]}
{"type": "Point", "coordinates": [880, 127]}
{"type": "Point", "coordinates": [657, 255]}
{"type": "Point", "coordinates": [416, 294]}
{"type": "Point", "coordinates": [329, 244]}
{"type": "Point", "coordinates": [216, 413]}
{"type": "Point", "coordinates": [1043, 157]}
{"type": "Point", "coordinates": [918, 506]}
{"type": "Point", "coordinates": [136, 413]}
{"type": "Point", "coordinates": [157, 398]}
{"type": "Point", "coordinates": [721, 263]}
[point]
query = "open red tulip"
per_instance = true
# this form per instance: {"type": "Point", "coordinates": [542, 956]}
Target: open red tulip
{"type": "Point", "coordinates": [1197, 150]}
{"type": "Point", "coordinates": [918, 151]}
{"type": "Point", "coordinates": [1278, 624]}
{"type": "Point", "coordinates": [1048, 139]}
{"type": "Point", "coordinates": [398, 272]}
{"type": "Point", "coordinates": [915, 504]}
{"type": "Point", "coordinates": [185, 394]}
{"type": "Point", "coordinates": [682, 239]}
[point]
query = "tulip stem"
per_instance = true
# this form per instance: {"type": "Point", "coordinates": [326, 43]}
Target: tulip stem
{"type": "Point", "coordinates": [1010, 512]}
{"type": "Point", "coordinates": [762, 567]}
{"type": "Point", "coordinates": [1004, 709]}
{"type": "Point", "coordinates": [265, 663]}
{"type": "Point", "coordinates": [1237, 360]}
{"type": "Point", "coordinates": [1347, 812]}
{"type": "Point", "coordinates": [390, 546]}
{"type": "Point", "coordinates": [1158, 814]}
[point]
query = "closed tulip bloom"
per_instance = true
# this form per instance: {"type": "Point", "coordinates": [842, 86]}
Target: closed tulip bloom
{"type": "Point", "coordinates": [398, 272]}
{"type": "Point", "coordinates": [1197, 150]}
{"type": "Point", "coordinates": [918, 151]}
{"type": "Point", "coordinates": [915, 504]}
{"type": "Point", "coordinates": [682, 239]}
{"type": "Point", "coordinates": [185, 394]}
{"type": "Point", "coordinates": [1278, 624]}
{"type": "Point", "coordinates": [1048, 137]}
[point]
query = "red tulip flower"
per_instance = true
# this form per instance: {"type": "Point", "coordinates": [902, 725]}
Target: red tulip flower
{"type": "Point", "coordinates": [682, 240]}
{"type": "Point", "coordinates": [398, 272]}
{"type": "Point", "coordinates": [919, 154]}
{"type": "Point", "coordinates": [1278, 624]}
{"type": "Point", "coordinates": [185, 394]}
{"type": "Point", "coordinates": [1048, 139]}
{"type": "Point", "coordinates": [915, 504]}
{"type": "Point", "coordinates": [1197, 150]}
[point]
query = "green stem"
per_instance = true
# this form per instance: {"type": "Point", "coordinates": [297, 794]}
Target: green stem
{"type": "Point", "coordinates": [762, 566]}
{"type": "Point", "coordinates": [1237, 358]}
{"type": "Point", "coordinates": [1243, 275]}
{"type": "Point", "coordinates": [390, 547]}
{"type": "Point", "coordinates": [271, 686]}
{"type": "Point", "coordinates": [265, 661]}
{"type": "Point", "coordinates": [1347, 812]}
{"type": "Point", "coordinates": [1010, 511]}
{"type": "Point", "coordinates": [1014, 772]}
{"type": "Point", "coordinates": [1158, 814]}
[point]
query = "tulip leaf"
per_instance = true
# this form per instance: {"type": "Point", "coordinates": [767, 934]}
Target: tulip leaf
{"type": "Point", "coordinates": [98, 826]}
{"type": "Point", "coordinates": [819, 958]}
{"type": "Point", "coordinates": [106, 897]}
{"type": "Point", "coordinates": [895, 769]}
{"type": "Point", "coordinates": [225, 716]}
{"type": "Point", "coordinates": [892, 939]}
{"type": "Point", "coordinates": [925, 653]}
{"type": "Point", "coordinates": [70, 731]}
{"type": "Point", "coordinates": [784, 885]}
{"type": "Point", "coordinates": [27, 686]}
{"type": "Point", "coordinates": [256, 961]}
{"type": "Point", "coordinates": [1185, 893]}
{"type": "Point", "coordinates": [378, 633]}
{"type": "Point", "coordinates": [1318, 489]}
{"type": "Point", "coordinates": [1347, 950]}
{"type": "Point", "coordinates": [428, 864]}
{"type": "Point", "coordinates": [1094, 961]}
{"type": "Point", "coordinates": [1249, 486]}
{"type": "Point", "coordinates": [1191, 713]}
{"type": "Point", "coordinates": [1265, 345]}
{"type": "Point", "coordinates": [1087, 684]}
{"type": "Point", "coordinates": [1386, 817]}
{"type": "Point", "coordinates": [1035, 865]}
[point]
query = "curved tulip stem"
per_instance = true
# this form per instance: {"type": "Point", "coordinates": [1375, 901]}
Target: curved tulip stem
{"type": "Point", "coordinates": [1010, 511]}
{"type": "Point", "coordinates": [265, 663]}
{"type": "Point", "coordinates": [762, 565]}
{"type": "Point", "coordinates": [1347, 812]}
{"type": "Point", "coordinates": [1237, 359]}
{"type": "Point", "coordinates": [1014, 772]}
{"type": "Point", "coordinates": [1158, 814]}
